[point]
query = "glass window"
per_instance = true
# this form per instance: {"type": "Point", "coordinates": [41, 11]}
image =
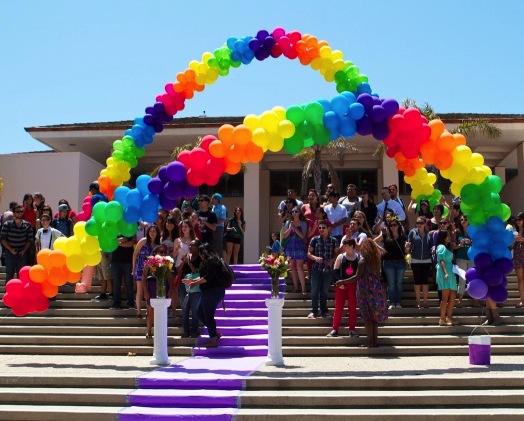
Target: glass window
{"type": "Point", "coordinates": [227, 186]}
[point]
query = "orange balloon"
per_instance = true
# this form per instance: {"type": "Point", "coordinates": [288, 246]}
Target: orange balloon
{"type": "Point", "coordinates": [235, 153]}
{"type": "Point", "coordinates": [446, 142]}
{"type": "Point", "coordinates": [217, 149]}
{"type": "Point", "coordinates": [427, 150]}
{"type": "Point", "coordinates": [38, 274]}
{"type": "Point", "coordinates": [57, 258]}
{"type": "Point", "coordinates": [253, 152]}
{"type": "Point", "coordinates": [73, 277]}
{"type": "Point", "coordinates": [437, 128]}
{"type": "Point", "coordinates": [49, 290]}
{"type": "Point", "coordinates": [43, 256]}
{"type": "Point", "coordinates": [58, 276]}
{"type": "Point", "coordinates": [232, 167]}
{"type": "Point", "coordinates": [225, 134]}
{"type": "Point", "coordinates": [443, 160]}
{"type": "Point", "coordinates": [242, 134]}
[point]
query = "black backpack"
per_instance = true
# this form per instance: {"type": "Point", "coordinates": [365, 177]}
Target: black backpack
{"type": "Point", "coordinates": [227, 274]}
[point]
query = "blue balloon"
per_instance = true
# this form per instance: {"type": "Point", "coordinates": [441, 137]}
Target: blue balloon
{"type": "Point", "coordinates": [134, 198]}
{"type": "Point", "coordinates": [340, 105]}
{"type": "Point", "coordinates": [331, 120]}
{"type": "Point", "coordinates": [141, 184]}
{"type": "Point", "coordinates": [477, 289]}
{"type": "Point", "coordinates": [120, 195]}
{"type": "Point", "coordinates": [131, 214]}
{"type": "Point", "coordinates": [348, 127]}
{"type": "Point", "coordinates": [356, 111]}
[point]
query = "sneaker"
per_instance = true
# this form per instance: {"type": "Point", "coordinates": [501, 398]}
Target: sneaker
{"type": "Point", "coordinates": [327, 316]}
{"type": "Point", "coordinates": [332, 334]}
{"type": "Point", "coordinates": [110, 297]}
{"type": "Point", "coordinates": [114, 307]}
{"type": "Point", "coordinates": [353, 334]}
{"type": "Point", "coordinates": [398, 306]}
{"type": "Point", "coordinates": [100, 297]}
{"type": "Point", "coordinates": [311, 316]}
{"type": "Point", "coordinates": [391, 307]}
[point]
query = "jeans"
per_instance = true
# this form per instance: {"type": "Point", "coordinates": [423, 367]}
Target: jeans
{"type": "Point", "coordinates": [13, 263]}
{"type": "Point", "coordinates": [191, 304]}
{"type": "Point", "coordinates": [207, 306]}
{"type": "Point", "coordinates": [394, 270]}
{"type": "Point", "coordinates": [320, 282]}
{"type": "Point", "coordinates": [119, 270]}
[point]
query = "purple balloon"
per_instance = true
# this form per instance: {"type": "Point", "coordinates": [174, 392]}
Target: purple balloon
{"type": "Point", "coordinates": [172, 190]}
{"type": "Point", "coordinates": [162, 174]}
{"type": "Point", "coordinates": [473, 273]}
{"type": "Point", "coordinates": [364, 126]}
{"type": "Point", "coordinates": [391, 106]}
{"type": "Point", "coordinates": [483, 261]}
{"type": "Point", "coordinates": [166, 203]}
{"type": "Point", "coordinates": [477, 289]}
{"type": "Point", "coordinates": [155, 185]}
{"type": "Point", "coordinates": [378, 114]}
{"type": "Point", "coordinates": [254, 44]}
{"type": "Point", "coordinates": [380, 130]}
{"type": "Point", "coordinates": [367, 101]}
{"type": "Point", "coordinates": [505, 265]}
{"type": "Point", "coordinates": [189, 191]}
{"type": "Point", "coordinates": [498, 294]}
{"type": "Point", "coordinates": [176, 171]}
{"type": "Point", "coordinates": [493, 277]}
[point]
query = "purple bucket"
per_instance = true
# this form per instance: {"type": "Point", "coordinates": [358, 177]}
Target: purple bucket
{"type": "Point", "coordinates": [479, 350]}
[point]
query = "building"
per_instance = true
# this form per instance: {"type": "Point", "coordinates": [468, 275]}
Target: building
{"type": "Point", "coordinates": [79, 151]}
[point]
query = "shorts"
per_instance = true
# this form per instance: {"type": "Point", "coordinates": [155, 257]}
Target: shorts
{"type": "Point", "coordinates": [233, 238]}
{"type": "Point", "coordinates": [103, 269]}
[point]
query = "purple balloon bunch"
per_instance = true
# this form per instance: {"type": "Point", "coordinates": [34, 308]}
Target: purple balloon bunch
{"type": "Point", "coordinates": [156, 116]}
{"type": "Point", "coordinates": [378, 111]}
{"type": "Point", "coordinates": [170, 185]}
{"type": "Point", "coordinates": [262, 44]}
{"type": "Point", "coordinates": [488, 278]}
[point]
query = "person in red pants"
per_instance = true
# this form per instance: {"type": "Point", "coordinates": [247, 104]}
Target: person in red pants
{"type": "Point", "coordinates": [345, 266]}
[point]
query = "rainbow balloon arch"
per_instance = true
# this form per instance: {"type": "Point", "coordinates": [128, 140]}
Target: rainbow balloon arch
{"type": "Point", "coordinates": [411, 141]}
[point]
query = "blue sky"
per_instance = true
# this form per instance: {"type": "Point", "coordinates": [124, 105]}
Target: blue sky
{"type": "Point", "coordinates": [106, 60]}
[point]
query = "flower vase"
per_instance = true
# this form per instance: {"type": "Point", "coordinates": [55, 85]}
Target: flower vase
{"type": "Point", "coordinates": [161, 276]}
{"type": "Point", "coordinates": [275, 284]}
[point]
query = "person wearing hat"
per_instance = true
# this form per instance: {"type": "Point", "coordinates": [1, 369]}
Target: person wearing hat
{"type": "Point", "coordinates": [63, 223]}
{"type": "Point", "coordinates": [96, 194]}
{"type": "Point", "coordinates": [221, 212]}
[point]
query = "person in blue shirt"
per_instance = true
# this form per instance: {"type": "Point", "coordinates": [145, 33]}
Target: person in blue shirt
{"type": "Point", "coordinates": [96, 194]}
{"type": "Point", "coordinates": [221, 212]}
{"type": "Point", "coordinates": [275, 245]}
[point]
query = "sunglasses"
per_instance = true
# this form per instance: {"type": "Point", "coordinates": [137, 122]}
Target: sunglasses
{"type": "Point", "coordinates": [18, 211]}
{"type": "Point", "coordinates": [322, 228]}
{"type": "Point", "coordinates": [463, 219]}
{"type": "Point", "coordinates": [202, 200]}
{"type": "Point", "coordinates": [393, 225]}
{"type": "Point", "coordinates": [444, 223]}
{"type": "Point", "coordinates": [294, 211]}
{"type": "Point", "coordinates": [420, 223]}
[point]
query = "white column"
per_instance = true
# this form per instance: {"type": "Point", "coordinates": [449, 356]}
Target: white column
{"type": "Point", "coordinates": [389, 172]}
{"type": "Point", "coordinates": [274, 351]}
{"type": "Point", "coordinates": [160, 355]}
{"type": "Point", "coordinates": [501, 172]}
{"type": "Point", "coordinates": [253, 206]}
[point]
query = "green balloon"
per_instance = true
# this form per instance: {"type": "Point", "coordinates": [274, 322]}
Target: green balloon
{"type": "Point", "coordinates": [98, 212]}
{"type": "Point", "coordinates": [293, 145]}
{"type": "Point", "coordinates": [127, 229]}
{"type": "Point", "coordinates": [504, 212]}
{"type": "Point", "coordinates": [321, 135]}
{"type": "Point", "coordinates": [296, 115]}
{"type": "Point", "coordinates": [314, 112]}
{"type": "Point", "coordinates": [108, 244]}
{"type": "Point", "coordinates": [92, 228]}
{"type": "Point", "coordinates": [140, 152]}
{"type": "Point", "coordinates": [118, 146]}
{"type": "Point", "coordinates": [470, 194]}
{"type": "Point", "coordinates": [113, 211]}
{"type": "Point", "coordinates": [340, 76]}
{"type": "Point", "coordinates": [352, 72]}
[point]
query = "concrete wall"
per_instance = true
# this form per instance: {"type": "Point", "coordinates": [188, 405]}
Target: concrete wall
{"type": "Point", "coordinates": [56, 175]}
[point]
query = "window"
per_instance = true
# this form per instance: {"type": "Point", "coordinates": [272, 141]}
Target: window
{"type": "Point", "coordinates": [227, 186]}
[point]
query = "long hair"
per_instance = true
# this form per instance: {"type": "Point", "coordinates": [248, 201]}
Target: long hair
{"type": "Point", "coordinates": [441, 238]}
{"type": "Point", "coordinates": [157, 239]}
{"type": "Point", "coordinates": [372, 255]}
{"type": "Point", "coordinates": [241, 214]}
{"type": "Point", "coordinates": [206, 251]}
{"type": "Point", "coordinates": [174, 232]}
{"type": "Point", "coordinates": [187, 222]}
{"type": "Point", "coordinates": [363, 226]}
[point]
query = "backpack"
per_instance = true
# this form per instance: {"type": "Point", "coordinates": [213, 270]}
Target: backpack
{"type": "Point", "coordinates": [227, 274]}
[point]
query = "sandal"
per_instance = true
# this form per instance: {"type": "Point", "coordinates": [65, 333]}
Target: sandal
{"type": "Point", "coordinates": [442, 323]}
{"type": "Point", "coordinates": [519, 305]}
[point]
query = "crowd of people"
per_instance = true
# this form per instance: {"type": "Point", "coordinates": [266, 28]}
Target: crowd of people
{"type": "Point", "coordinates": [197, 231]}
{"type": "Point", "coordinates": [340, 239]}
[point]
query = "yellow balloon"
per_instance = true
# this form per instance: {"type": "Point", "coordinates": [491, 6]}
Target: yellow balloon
{"type": "Point", "coordinates": [93, 259]}
{"type": "Point", "coordinates": [462, 154]}
{"type": "Point", "coordinates": [458, 173]}
{"type": "Point", "coordinates": [73, 247]}
{"type": "Point", "coordinates": [325, 51]}
{"type": "Point", "coordinates": [80, 230]}
{"type": "Point", "coordinates": [329, 75]}
{"type": "Point", "coordinates": [269, 121]}
{"type": "Point", "coordinates": [455, 188]}
{"type": "Point", "coordinates": [427, 189]}
{"type": "Point", "coordinates": [75, 262]}
{"type": "Point", "coordinates": [60, 244]}
{"type": "Point", "coordinates": [280, 112]}
{"type": "Point", "coordinates": [260, 137]}
{"type": "Point", "coordinates": [252, 121]}
{"type": "Point", "coordinates": [337, 55]}
{"type": "Point", "coordinates": [476, 175]}
{"type": "Point", "coordinates": [487, 170]}
{"type": "Point", "coordinates": [193, 64]}
{"type": "Point", "coordinates": [89, 245]}
{"type": "Point", "coordinates": [316, 63]}
{"type": "Point", "coordinates": [276, 142]}
{"type": "Point", "coordinates": [286, 129]}
{"type": "Point", "coordinates": [477, 160]}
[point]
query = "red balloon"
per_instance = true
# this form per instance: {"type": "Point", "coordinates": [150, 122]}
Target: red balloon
{"type": "Point", "coordinates": [206, 140]}
{"type": "Point", "coordinates": [199, 158]}
{"type": "Point", "coordinates": [184, 158]}
{"type": "Point", "coordinates": [23, 274]}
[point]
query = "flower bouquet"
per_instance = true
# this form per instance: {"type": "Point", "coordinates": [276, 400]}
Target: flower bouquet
{"type": "Point", "coordinates": [159, 267]}
{"type": "Point", "coordinates": [276, 265]}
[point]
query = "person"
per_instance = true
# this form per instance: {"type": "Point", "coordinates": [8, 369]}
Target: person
{"type": "Point", "coordinates": [149, 286]}
{"type": "Point", "coordinates": [8, 215]}
{"type": "Point", "coordinates": [30, 215]}
{"type": "Point", "coordinates": [518, 256]}
{"type": "Point", "coordinates": [354, 231]}
{"type": "Point", "coordinates": [193, 294]}
{"type": "Point", "coordinates": [143, 249]}
{"type": "Point", "coordinates": [63, 223]}
{"type": "Point", "coordinates": [235, 230]}
{"type": "Point", "coordinates": [387, 203]}
{"type": "Point", "coordinates": [371, 296]}
{"type": "Point", "coordinates": [70, 214]}
{"type": "Point", "coordinates": [45, 210]}
{"type": "Point", "coordinates": [39, 202]}
{"type": "Point", "coordinates": [351, 202]}
{"type": "Point", "coordinates": [221, 213]}
{"type": "Point", "coordinates": [169, 236]}
{"type": "Point", "coordinates": [337, 215]}
{"type": "Point", "coordinates": [368, 207]}
{"type": "Point", "coordinates": [207, 220]}
{"type": "Point", "coordinates": [424, 210]}
{"type": "Point", "coordinates": [213, 290]}
{"type": "Point", "coordinates": [394, 261]}
{"type": "Point", "coordinates": [161, 219]}
{"type": "Point", "coordinates": [419, 245]}
{"type": "Point", "coordinates": [295, 232]}
{"type": "Point", "coordinates": [345, 265]}
{"type": "Point", "coordinates": [461, 246]}
{"type": "Point", "coordinates": [364, 227]}
{"type": "Point", "coordinates": [438, 215]}
{"type": "Point", "coordinates": [45, 237]}
{"type": "Point", "coordinates": [193, 218]}
{"type": "Point", "coordinates": [121, 268]}
{"type": "Point", "coordinates": [325, 197]}
{"type": "Point", "coordinates": [310, 213]}
{"type": "Point", "coordinates": [275, 243]}
{"type": "Point", "coordinates": [103, 275]}
{"type": "Point", "coordinates": [96, 194]}
{"type": "Point", "coordinates": [291, 194]}
{"type": "Point", "coordinates": [284, 215]}
{"type": "Point", "coordinates": [322, 251]}
{"type": "Point", "coordinates": [16, 237]}
{"type": "Point", "coordinates": [393, 189]}
{"type": "Point", "coordinates": [446, 281]}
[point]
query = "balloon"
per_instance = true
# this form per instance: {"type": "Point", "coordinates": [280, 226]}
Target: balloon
{"type": "Point", "coordinates": [37, 273]}
{"type": "Point", "coordinates": [43, 256]}
{"type": "Point", "coordinates": [477, 289]}
{"type": "Point", "coordinates": [176, 171]}
{"type": "Point", "coordinates": [57, 258]}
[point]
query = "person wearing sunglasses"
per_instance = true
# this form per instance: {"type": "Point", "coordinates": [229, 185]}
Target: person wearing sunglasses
{"type": "Point", "coordinates": [461, 246]}
{"type": "Point", "coordinates": [16, 237]}
{"type": "Point", "coordinates": [419, 245]}
{"type": "Point", "coordinates": [295, 231]}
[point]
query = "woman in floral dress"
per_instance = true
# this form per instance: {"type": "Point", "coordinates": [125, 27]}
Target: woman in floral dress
{"type": "Point", "coordinates": [295, 232]}
{"type": "Point", "coordinates": [371, 295]}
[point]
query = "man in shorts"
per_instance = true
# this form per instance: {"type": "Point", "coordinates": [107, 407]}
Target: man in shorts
{"type": "Point", "coordinates": [103, 274]}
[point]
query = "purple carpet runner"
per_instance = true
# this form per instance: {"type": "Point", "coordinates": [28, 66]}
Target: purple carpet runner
{"type": "Point", "coordinates": [208, 386]}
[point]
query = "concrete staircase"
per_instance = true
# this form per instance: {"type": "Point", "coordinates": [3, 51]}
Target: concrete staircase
{"type": "Point", "coordinates": [75, 325]}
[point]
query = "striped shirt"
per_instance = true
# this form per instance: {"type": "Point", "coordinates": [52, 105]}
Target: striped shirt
{"type": "Point", "coordinates": [17, 236]}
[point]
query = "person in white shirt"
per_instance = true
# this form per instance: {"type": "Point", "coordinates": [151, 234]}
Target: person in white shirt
{"type": "Point", "coordinates": [388, 203]}
{"type": "Point", "coordinates": [291, 194]}
{"type": "Point", "coordinates": [353, 231]}
{"type": "Point", "coordinates": [351, 202]}
{"type": "Point", "coordinates": [337, 215]}
{"type": "Point", "coordinates": [45, 237]}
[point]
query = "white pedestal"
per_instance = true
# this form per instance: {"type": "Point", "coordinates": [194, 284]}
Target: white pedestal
{"type": "Point", "coordinates": [274, 352]}
{"type": "Point", "coordinates": [160, 355]}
